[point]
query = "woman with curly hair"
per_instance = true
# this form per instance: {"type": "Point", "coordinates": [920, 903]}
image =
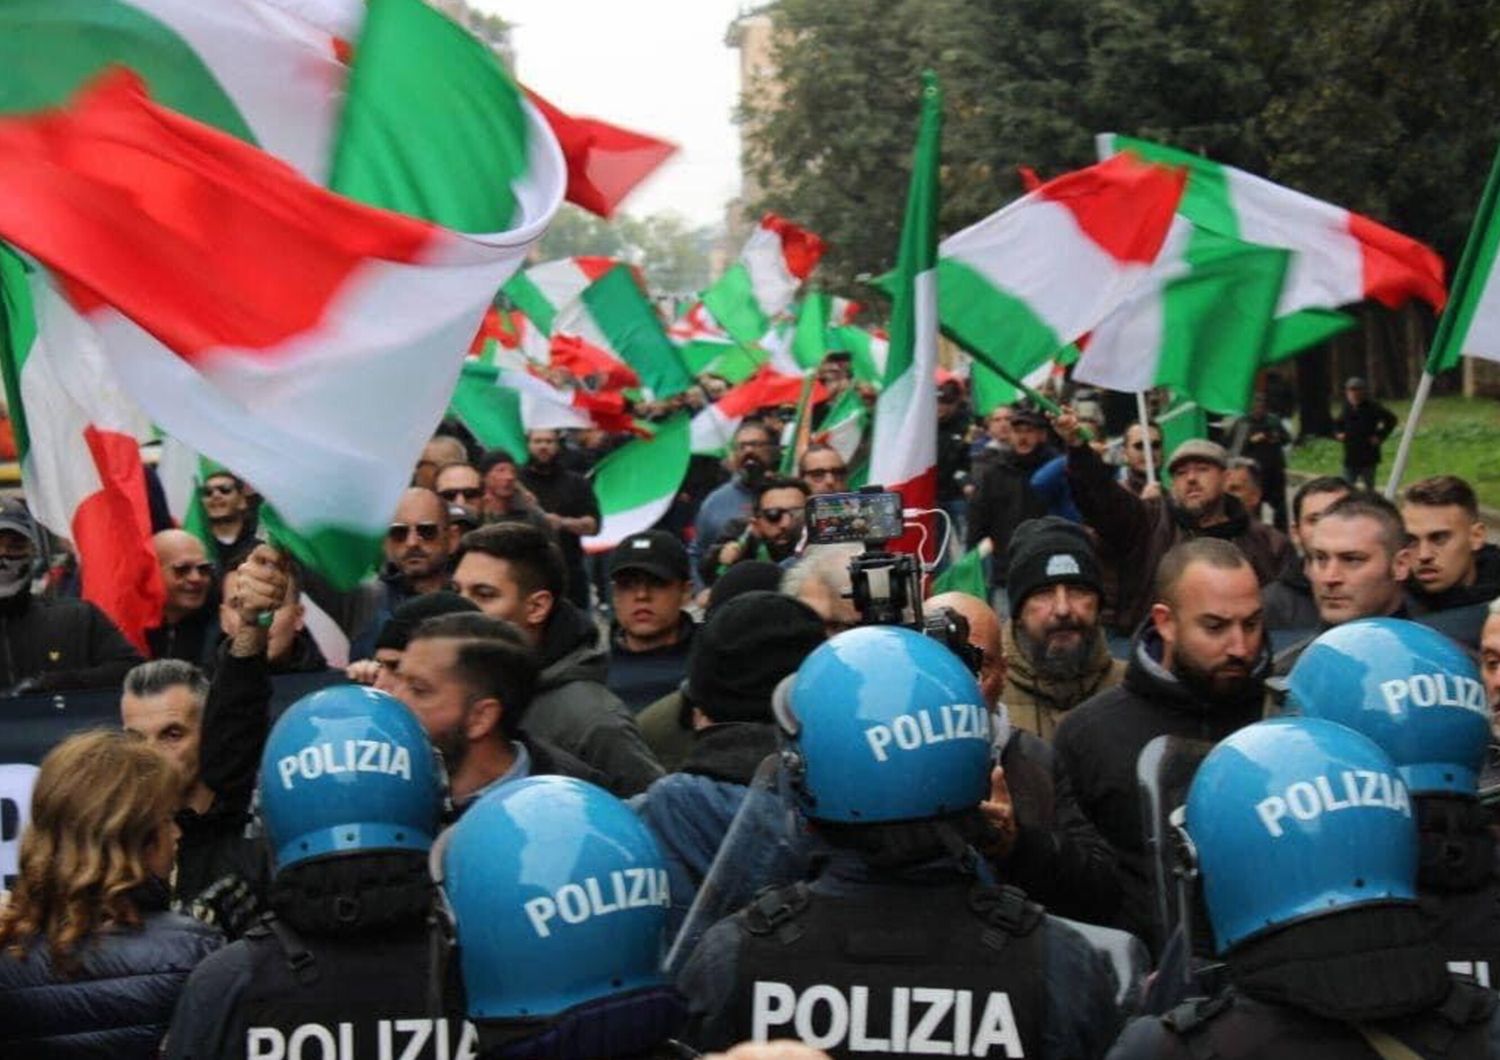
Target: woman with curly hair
{"type": "Point", "coordinates": [91, 960]}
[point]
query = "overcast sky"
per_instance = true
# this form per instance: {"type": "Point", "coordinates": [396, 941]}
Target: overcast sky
{"type": "Point", "coordinates": [657, 66]}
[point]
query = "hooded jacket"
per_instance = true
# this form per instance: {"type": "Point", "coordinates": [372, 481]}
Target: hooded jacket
{"type": "Point", "coordinates": [120, 1003]}
{"type": "Point", "coordinates": [1038, 704]}
{"type": "Point", "coordinates": [1289, 602]}
{"type": "Point", "coordinates": [1135, 534]}
{"type": "Point", "coordinates": [573, 709]}
{"type": "Point", "coordinates": [1099, 743]}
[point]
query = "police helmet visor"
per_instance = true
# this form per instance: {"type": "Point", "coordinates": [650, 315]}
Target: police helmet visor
{"type": "Point", "coordinates": [782, 709]}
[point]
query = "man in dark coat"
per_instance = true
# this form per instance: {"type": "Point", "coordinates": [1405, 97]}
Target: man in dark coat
{"type": "Point", "coordinates": [1363, 426]}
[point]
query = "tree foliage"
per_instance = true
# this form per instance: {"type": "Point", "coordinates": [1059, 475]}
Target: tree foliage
{"type": "Point", "coordinates": [673, 254]}
{"type": "Point", "coordinates": [1388, 107]}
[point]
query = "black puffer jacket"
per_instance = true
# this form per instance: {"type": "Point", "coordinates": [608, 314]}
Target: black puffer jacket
{"type": "Point", "coordinates": [120, 1004]}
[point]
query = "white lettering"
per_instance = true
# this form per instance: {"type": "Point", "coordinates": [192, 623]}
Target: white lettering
{"type": "Point", "coordinates": [1434, 690]}
{"type": "Point", "coordinates": [541, 910]}
{"type": "Point", "coordinates": [771, 1005]}
{"type": "Point", "coordinates": [997, 1027]}
{"type": "Point", "coordinates": [577, 902]}
{"type": "Point", "coordinates": [838, 1016]}
{"type": "Point", "coordinates": [954, 721]}
{"type": "Point", "coordinates": [908, 735]}
{"type": "Point", "coordinates": [859, 1015]}
{"type": "Point", "coordinates": [880, 738]}
{"type": "Point", "coordinates": [900, 1018]}
{"type": "Point", "coordinates": [938, 1002]}
{"type": "Point", "coordinates": [351, 756]}
{"type": "Point", "coordinates": [328, 1047]}
{"type": "Point", "coordinates": [264, 1043]}
{"type": "Point", "coordinates": [1308, 800]}
{"type": "Point", "coordinates": [572, 903]}
{"type": "Point", "coordinates": [1479, 971]}
{"type": "Point", "coordinates": [420, 1031]}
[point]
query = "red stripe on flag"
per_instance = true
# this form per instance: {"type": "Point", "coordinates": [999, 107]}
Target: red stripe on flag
{"type": "Point", "coordinates": [112, 534]}
{"type": "Point", "coordinates": [203, 240]}
{"type": "Point", "coordinates": [800, 249]}
{"type": "Point", "coordinates": [594, 267]}
{"type": "Point", "coordinates": [1397, 268]}
{"type": "Point", "coordinates": [605, 162]}
{"type": "Point", "coordinates": [1124, 205]}
{"type": "Point", "coordinates": [921, 493]}
{"type": "Point", "coordinates": [766, 388]}
{"type": "Point", "coordinates": [584, 360]}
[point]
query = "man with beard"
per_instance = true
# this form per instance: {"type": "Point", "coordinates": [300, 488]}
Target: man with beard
{"type": "Point", "coordinates": [752, 452]}
{"type": "Point", "coordinates": [1136, 532]}
{"type": "Point", "coordinates": [469, 679]}
{"type": "Point", "coordinates": [772, 534]}
{"type": "Point", "coordinates": [419, 544]}
{"type": "Point", "coordinates": [567, 500]}
{"type": "Point", "coordinates": [1197, 670]}
{"type": "Point", "coordinates": [1003, 497]}
{"type": "Point", "coordinates": [1132, 473]}
{"type": "Point", "coordinates": [1055, 651]}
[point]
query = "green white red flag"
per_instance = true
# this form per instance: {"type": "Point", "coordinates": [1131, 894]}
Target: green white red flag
{"type": "Point", "coordinates": [226, 345]}
{"type": "Point", "coordinates": [547, 288]}
{"type": "Point", "coordinates": [613, 314]}
{"type": "Point", "coordinates": [713, 427]}
{"type": "Point", "coordinates": [637, 483]}
{"type": "Point", "coordinates": [760, 286]}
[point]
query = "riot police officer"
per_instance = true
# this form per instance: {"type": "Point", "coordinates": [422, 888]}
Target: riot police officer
{"type": "Point", "coordinates": [351, 799]}
{"type": "Point", "coordinates": [1419, 696]}
{"type": "Point", "coordinates": [896, 947]}
{"type": "Point", "coordinates": [1302, 834]}
{"type": "Point", "coordinates": [556, 897]}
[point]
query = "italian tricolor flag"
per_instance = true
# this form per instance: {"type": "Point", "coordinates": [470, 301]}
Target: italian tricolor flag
{"type": "Point", "coordinates": [305, 340]}
{"type": "Point", "coordinates": [903, 455]}
{"type": "Point", "coordinates": [1026, 281]}
{"type": "Point", "coordinates": [777, 257]}
{"type": "Point", "coordinates": [613, 314]}
{"type": "Point", "coordinates": [544, 290]}
{"type": "Point", "coordinates": [1471, 325]}
{"type": "Point", "coordinates": [714, 426]}
{"type": "Point", "coordinates": [1338, 257]}
{"type": "Point", "coordinates": [638, 482]}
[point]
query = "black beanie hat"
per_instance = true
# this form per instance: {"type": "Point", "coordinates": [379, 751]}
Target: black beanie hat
{"type": "Point", "coordinates": [745, 648]}
{"type": "Point", "coordinates": [745, 576]}
{"type": "Point", "coordinates": [397, 631]}
{"type": "Point", "coordinates": [1049, 551]}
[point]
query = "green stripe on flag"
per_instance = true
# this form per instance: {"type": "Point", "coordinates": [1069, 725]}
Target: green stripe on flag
{"type": "Point", "coordinates": [446, 149]}
{"type": "Point", "coordinates": [17, 334]}
{"type": "Point", "coordinates": [1206, 200]}
{"type": "Point", "coordinates": [810, 338]}
{"type": "Point", "coordinates": [634, 331]}
{"type": "Point", "coordinates": [529, 299]}
{"type": "Point", "coordinates": [492, 413]}
{"type": "Point", "coordinates": [49, 48]}
{"type": "Point", "coordinates": [644, 470]}
{"type": "Point", "coordinates": [731, 300]}
{"type": "Point", "coordinates": [982, 317]}
{"type": "Point", "coordinates": [964, 575]}
{"type": "Point", "coordinates": [990, 389]}
{"type": "Point", "coordinates": [1292, 334]}
{"type": "Point", "coordinates": [1475, 268]}
{"type": "Point", "coordinates": [730, 360]}
{"type": "Point", "coordinates": [342, 555]}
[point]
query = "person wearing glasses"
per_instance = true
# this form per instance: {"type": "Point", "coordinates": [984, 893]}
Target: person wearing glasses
{"type": "Point", "coordinates": [419, 545]}
{"type": "Point", "coordinates": [461, 486]}
{"type": "Point", "coordinates": [231, 520]}
{"type": "Point", "coordinates": [49, 644]}
{"type": "Point", "coordinates": [772, 533]}
{"type": "Point", "coordinates": [752, 454]}
{"type": "Point", "coordinates": [823, 469]}
{"type": "Point", "coordinates": [189, 622]}
{"type": "Point", "coordinates": [1133, 474]}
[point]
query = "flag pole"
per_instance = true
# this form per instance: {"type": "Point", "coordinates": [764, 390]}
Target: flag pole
{"type": "Point", "coordinates": [1441, 356]}
{"type": "Point", "coordinates": [1143, 414]}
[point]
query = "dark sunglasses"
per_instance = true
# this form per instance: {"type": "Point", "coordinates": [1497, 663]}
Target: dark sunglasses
{"type": "Point", "coordinates": [186, 567]}
{"type": "Point", "coordinates": [218, 490]}
{"type": "Point", "coordinates": [468, 493]}
{"type": "Point", "coordinates": [817, 474]}
{"type": "Point", "coordinates": [399, 532]}
{"type": "Point", "coordinates": [1137, 446]}
{"type": "Point", "coordinates": [775, 515]}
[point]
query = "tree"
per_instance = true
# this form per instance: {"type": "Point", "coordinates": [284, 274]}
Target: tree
{"type": "Point", "coordinates": [673, 254]}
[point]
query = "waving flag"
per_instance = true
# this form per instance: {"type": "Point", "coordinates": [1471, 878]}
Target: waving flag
{"type": "Point", "coordinates": [265, 339]}
{"type": "Point", "coordinates": [753, 291]}
{"type": "Point", "coordinates": [545, 289]}
{"type": "Point", "coordinates": [605, 162]}
{"type": "Point", "coordinates": [614, 315]}
{"type": "Point", "coordinates": [638, 482]}
{"type": "Point", "coordinates": [714, 426]}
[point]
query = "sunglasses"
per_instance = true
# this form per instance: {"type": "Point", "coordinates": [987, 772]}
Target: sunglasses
{"type": "Point", "coordinates": [775, 515]}
{"type": "Point", "coordinates": [468, 493]}
{"type": "Point", "coordinates": [218, 490]}
{"type": "Point", "coordinates": [399, 532]}
{"type": "Point", "coordinates": [818, 474]}
{"type": "Point", "coordinates": [1138, 447]}
{"type": "Point", "coordinates": [183, 569]}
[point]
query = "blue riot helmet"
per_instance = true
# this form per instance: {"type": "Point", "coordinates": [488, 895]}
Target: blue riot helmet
{"type": "Point", "coordinates": [348, 770]}
{"type": "Point", "coordinates": [882, 725]}
{"type": "Point", "coordinates": [1295, 818]}
{"type": "Point", "coordinates": [558, 897]}
{"type": "Point", "coordinates": [1407, 687]}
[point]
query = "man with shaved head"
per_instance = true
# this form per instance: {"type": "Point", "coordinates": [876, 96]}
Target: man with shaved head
{"type": "Point", "coordinates": [189, 623]}
{"type": "Point", "coordinates": [419, 545]}
{"type": "Point", "coordinates": [1197, 670]}
{"type": "Point", "coordinates": [1049, 850]}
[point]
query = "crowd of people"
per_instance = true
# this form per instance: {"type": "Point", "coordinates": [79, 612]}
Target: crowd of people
{"type": "Point", "coordinates": [1199, 772]}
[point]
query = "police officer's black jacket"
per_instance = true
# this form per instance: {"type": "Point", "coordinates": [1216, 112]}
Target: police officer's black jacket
{"type": "Point", "coordinates": [1459, 885]}
{"type": "Point", "coordinates": [1365, 427]}
{"type": "Point", "coordinates": [348, 944]}
{"type": "Point", "coordinates": [60, 644]}
{"type": "Point", "coordinates": [926, 939]}
{"type": "Point", "coordinates": [1330, 987]}
{"type": "Point", "coordinates": [1099, 742]}
{"type": "Point", "coordinates": [119, 1003]}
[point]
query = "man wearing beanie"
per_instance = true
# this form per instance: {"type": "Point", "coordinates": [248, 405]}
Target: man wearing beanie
{"type": "Point", "coordinates": [1055, 650]}
{"type": "Point", "coordinates": [743, 651]}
